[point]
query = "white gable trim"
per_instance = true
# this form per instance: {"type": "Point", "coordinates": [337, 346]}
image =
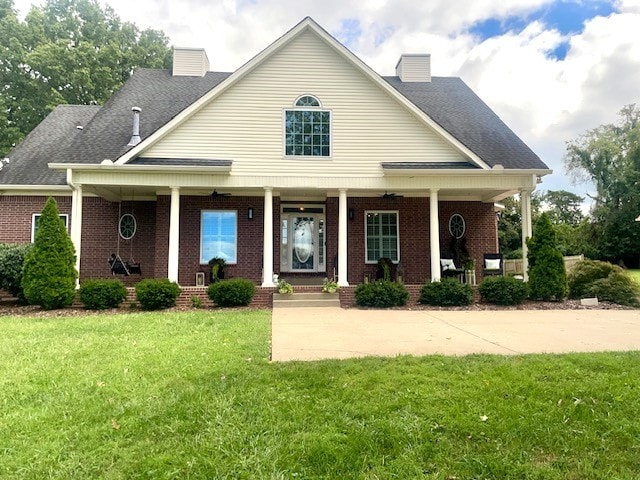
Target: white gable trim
{"type": "Point", "coordinates": [307, 24]}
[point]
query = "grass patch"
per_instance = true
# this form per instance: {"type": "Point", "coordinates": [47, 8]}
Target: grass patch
{"type": "Point", "coordinates": [193, 395]}
{"type": "Point", "coordinates": [635, 274]}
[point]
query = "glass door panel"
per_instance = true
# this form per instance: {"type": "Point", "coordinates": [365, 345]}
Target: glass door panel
{"type": "Point", "coordinates": [303, 243]}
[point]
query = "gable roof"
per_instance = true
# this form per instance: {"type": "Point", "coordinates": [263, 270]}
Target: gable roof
{"type": "Point", "coordinates": [445, 103]}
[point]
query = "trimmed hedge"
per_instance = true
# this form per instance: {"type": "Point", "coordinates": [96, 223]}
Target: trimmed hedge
{"type": "Point", "coordinates": [585, 272]}
{"type": "Point", "coordinates": [618, 288]}
{"type": "Point", "coordinates": [232, 293]}
{"type": "Point", "coordinates": [381, 294]}
{"type": "Point", "coordinates": [547, 275]}
{"type": "Point", "coordinates": [102, 294]}
{"type": "Point", "coordinates": [503, 290]}
{"type": "Point", "coordinates": [449, 292]}
{"type": "Point", "coordinates": [157, 294]}
{"type": "Point", "coordinates": [11, 263]}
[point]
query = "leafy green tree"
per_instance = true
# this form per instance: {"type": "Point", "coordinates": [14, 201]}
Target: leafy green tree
{"type": "Point", "coordinates": [510, 224]}
{"type": "Point", "coordinates": [563, 207]}
{"type": "Point", "coordinates": [66, 51]}
{"type": "Point", "coordinates": [547, 276]}
{"type": "Point", "coordinates": [49, 275]}
{"type": "Point", "coordinates": [609, 157]}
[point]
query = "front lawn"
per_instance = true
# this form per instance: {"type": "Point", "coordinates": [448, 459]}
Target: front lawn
{"type": "Point", "coordinates": [193, 395]}
{"type": "Point", "coordinates": [635, 274]}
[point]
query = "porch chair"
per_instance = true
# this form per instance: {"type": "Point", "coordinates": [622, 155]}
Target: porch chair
{"type": "Point", "coordinates": [493, 264]}
{"type": "Point", "coordinates": [448, 269]}
{"type": "Point", "coordinates": [118, 267]}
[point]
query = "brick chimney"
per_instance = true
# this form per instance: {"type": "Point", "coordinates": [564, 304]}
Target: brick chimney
{"type": "Point", "coordinates": [190, 62]}
{"type": "Point", "coordinates": [414, 67]}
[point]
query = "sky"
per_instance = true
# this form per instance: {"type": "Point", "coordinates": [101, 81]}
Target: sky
{"type": "Point", "coordinates": [550, 69]}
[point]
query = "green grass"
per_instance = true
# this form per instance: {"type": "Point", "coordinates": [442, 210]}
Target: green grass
{"type": "Point", "coordinates": [193, 395]}
{"type": "Point", "coordinates": [635, 274]}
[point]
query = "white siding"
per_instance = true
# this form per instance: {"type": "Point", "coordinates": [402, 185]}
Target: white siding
{"type": "Point", "coordinates": [414, 68]}
{"type": "Point", "coordinates": [192, 62]}
{"type": "Point", "coordinates": [245, 123]}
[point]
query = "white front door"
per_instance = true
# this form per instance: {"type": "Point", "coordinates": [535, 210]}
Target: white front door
{"type": "Point", "coordinates": [303, 240]}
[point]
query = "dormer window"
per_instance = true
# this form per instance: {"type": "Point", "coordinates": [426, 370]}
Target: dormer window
{"type": "Point", "coordinates": [307, 128]}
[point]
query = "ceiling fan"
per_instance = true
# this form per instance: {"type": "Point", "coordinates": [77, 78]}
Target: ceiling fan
{"type": "Point", "coordinates": [391, 195]}
{"type": "Point", "coordinates": [215, 194]}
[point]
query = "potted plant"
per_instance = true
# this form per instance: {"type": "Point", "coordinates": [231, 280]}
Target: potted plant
{"type": "Point", "coordinates": [285, 288]}
{"type": "Point", "coordinates": [217, 269]}
{"type": "Point", "coordinates": [470, 271]}
{"type": "Point", "coordinates": [330, 286]}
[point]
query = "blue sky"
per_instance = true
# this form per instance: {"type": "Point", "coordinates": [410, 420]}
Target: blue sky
{"type": "Point", "coordinates": [550, 69]}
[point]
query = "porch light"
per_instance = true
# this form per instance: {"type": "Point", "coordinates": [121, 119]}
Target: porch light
{"type": "Point", "coordinates": [250, 213]}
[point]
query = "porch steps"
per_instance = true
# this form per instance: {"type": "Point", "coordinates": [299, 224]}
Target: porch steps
{"type": "Point", "coordinates": [306, 299]}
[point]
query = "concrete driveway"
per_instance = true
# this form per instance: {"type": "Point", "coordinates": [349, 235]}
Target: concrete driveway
{"type": "Point", "coordinates": [322, 333]}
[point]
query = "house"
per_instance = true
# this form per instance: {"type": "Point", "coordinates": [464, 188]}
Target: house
{"type": "Point", "coordinates": [304, 161]}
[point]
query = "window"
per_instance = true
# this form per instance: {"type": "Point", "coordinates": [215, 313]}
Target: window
{"type": "Point", "coordinates": [382, 237]}
{"type": "Point", "coordinates": [218, 235]}
{"type": "Point", "coordinates": [35, 220]}
{"type": "Point", "coordinates": [308, 129]}
{"type": "Point", "coordinates": [456, 225]}
{"type": "Point", "coordinates": [127, 226]}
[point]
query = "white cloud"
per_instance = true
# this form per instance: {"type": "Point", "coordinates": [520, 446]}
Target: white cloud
{"type": "Point", "coordinates": [544, 100]}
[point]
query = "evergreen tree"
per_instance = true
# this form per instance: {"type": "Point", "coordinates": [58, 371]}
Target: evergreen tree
{"type": "Point", "coordinates": [49, 276]}
{"type": "Point", "coordinates": [547, 276]}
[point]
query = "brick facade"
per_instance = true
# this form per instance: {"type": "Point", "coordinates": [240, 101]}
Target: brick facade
{"type": "Point", "coordinates": [150, 245]}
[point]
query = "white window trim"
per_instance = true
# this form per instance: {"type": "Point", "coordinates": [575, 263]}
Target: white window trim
{"type": "Point", "coordinates": [202, 212]}
{"type": "Point", "coordinates": [366, 236]}
{"type": "Point", "coordinates": [464, 225]}
{"type": "Point", "coordinates": [33, 223]}
{"type": "Point", "coordinates": [135, 226]}
{"type": "Point", "coordinates": [303, 109]}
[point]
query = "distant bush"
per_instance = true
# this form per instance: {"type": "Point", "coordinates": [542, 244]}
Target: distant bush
{"type": "Point", "coordinates": [102, 294]}
{"type": "Point", "coordinates": [11, 263]}
{"type": "Point", "coordinates": [618, 288]}
{"type": "Point", "coordinates": [585, 272]}
{"type": "Point", "coordinates": [232, 293]}
{"type": "Point", "coordinates": [157, 294]}
{"type": "Point", "coordinates": [446, 293]}
{"type": "Point", "coordinates": [503, 290]}
{"type": "Point", "coordinates": [49, 273]}
{"type": "Point", "coordinates": [382, 294]}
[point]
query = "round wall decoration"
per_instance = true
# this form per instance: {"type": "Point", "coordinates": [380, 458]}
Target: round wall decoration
{"type": "Point", "coordinates": [127, 226]}
{"type": "Point", "coordinates": [456, 225]}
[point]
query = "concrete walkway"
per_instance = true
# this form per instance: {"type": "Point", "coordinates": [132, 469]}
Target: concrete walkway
{"type": "Point", "coordinates": [321, 333]}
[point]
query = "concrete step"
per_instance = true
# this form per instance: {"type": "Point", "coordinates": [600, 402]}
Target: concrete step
{"type": "Point", "coordinates": [306, 299]}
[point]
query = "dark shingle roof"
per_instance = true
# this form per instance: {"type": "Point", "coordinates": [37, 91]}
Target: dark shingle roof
{"type": "Point", "coordinates": [48, 142]}
{"type": "Point", "coordinates": [107, 130]}
{"type": "Point", "coordinates": [457, 109]}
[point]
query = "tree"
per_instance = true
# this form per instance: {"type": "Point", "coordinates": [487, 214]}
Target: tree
{"type": "Point", "coordinates": [510, 224]}
{"type": "Point", "coordinates": [547, 276]}
{"type": "Point", "coordinates": [563, 207]}
{"type": "Point", "coordinates": [66, 51]}
{"type": "Point", "coordinates": [49, 275]}
{"type": "Point", "coordinates": [609, 156]}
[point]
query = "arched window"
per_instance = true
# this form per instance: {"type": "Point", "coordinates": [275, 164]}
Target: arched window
{"type": "Point", "coordinates": [307, 128]}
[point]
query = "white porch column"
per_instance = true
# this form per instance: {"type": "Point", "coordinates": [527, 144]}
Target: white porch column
{"type": "Point", "coordinates": [76, 225]}
{"type": "Point", "coordinates": [434, 235]}
{"type": "Point", "coordinates": [174, 235]}
{"type": "Point", "coordinates": [525, 209]}
{"type": "Point", "coordinates": [267, 242]}
{"type": "Point", "coordinates": [342, 238]}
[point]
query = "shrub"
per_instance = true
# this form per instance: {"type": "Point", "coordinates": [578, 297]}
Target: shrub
{"type": "Point", "coordinates": [232, 293]}
{"type": "Point", "coordinates": [49, 274]}
{"type": "Point", "coordinates": [446, 293]}
{"type": "Point", "coordinates": [585, 272]}
{"type": "Point", "coordinates": [547, 276]}
{"type": "Point", "coordinates": [196, 302]}
{"type": "Point", "coordinates": [11, 263]}
{"type": "Point", "coordinates": [618, 288]}
{"type": "Point", "coordinates": [382, 294]}
{"type": "Point", "coordinates": [102, 294]}
{"type": "Point", "coordinates": [503, 290]}
{"type": "Point", "coordinates": [157, 294]}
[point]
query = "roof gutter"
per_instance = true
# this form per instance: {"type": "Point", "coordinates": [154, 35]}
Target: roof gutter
{"type": "Point", "coordinates": [126, 168]}
{"type": "Point", "coordinates": [418, 172]}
